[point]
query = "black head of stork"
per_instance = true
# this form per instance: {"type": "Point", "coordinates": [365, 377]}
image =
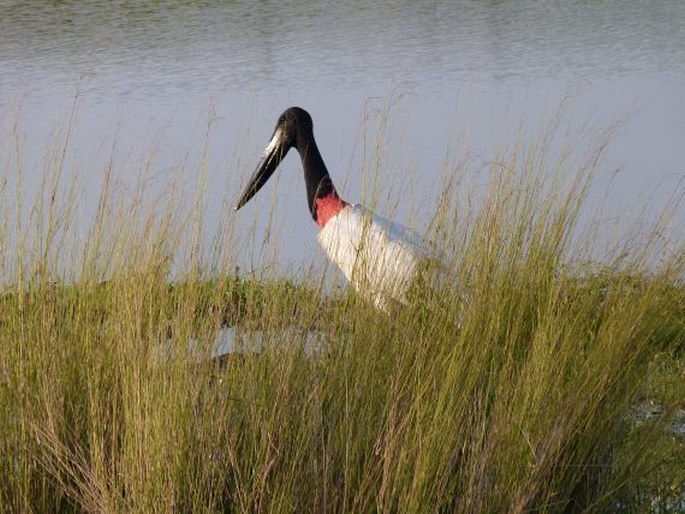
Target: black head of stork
{"type": "Point", "coordinates": [296, 129]}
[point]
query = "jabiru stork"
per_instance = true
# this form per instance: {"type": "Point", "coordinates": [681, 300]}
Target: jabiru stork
{"type": "Point", "coordinates": [380, 258]}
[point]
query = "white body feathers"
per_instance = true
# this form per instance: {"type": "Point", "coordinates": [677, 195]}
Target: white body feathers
{"type": "Point", "coordinates": [380, 258]}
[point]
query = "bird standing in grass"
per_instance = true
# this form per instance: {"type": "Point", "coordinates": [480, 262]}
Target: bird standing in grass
{"type": "Point", "coordinates": [380, 258]}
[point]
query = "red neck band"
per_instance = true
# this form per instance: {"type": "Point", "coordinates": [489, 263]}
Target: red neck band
{"type": "Point", "coordinates": [327, 207]}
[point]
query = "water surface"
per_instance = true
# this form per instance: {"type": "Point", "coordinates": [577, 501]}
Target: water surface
{"type": "Point", "coordinates": [153, 74]}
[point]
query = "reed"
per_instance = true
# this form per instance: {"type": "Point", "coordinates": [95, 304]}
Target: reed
{"type": "Point", "coordinates": [506, 386]}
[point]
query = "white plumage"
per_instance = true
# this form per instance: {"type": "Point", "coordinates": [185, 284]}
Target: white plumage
{"type": "Point", "coordinates": [380, 258]}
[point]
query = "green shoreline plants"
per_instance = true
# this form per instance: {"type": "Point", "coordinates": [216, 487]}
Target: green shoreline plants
{"type": "Point", "coordinates": [509, 393]}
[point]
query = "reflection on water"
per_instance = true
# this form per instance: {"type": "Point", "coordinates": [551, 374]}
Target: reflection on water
{"type": "Point", "coordinates": [146, 72]}
{"type": "Point", "coordinates": [237, 341]}
{"type": "Point", "coordinates": [230, 340]}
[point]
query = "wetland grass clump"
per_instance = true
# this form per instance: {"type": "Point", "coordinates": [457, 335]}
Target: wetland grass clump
{"type": "Point", "coordinates": [509, 393]}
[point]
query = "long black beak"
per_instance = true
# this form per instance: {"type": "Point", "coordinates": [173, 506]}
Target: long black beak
{"type": "Point", "coordinates": [271, 158]}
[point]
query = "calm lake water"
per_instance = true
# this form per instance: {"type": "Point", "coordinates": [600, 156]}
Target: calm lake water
{"type": "Point", "coordinates": [152, 75]}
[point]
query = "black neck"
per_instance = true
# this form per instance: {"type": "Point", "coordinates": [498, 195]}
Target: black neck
{"type": "Point", "coordinates": [316, 177]}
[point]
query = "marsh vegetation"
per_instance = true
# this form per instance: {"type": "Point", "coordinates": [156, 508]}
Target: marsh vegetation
{"type": "Point", "coordinates": [509, 393]}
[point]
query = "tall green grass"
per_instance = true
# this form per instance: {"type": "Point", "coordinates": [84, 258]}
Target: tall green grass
{"type": "Point", "coordinates": [505, 387]}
